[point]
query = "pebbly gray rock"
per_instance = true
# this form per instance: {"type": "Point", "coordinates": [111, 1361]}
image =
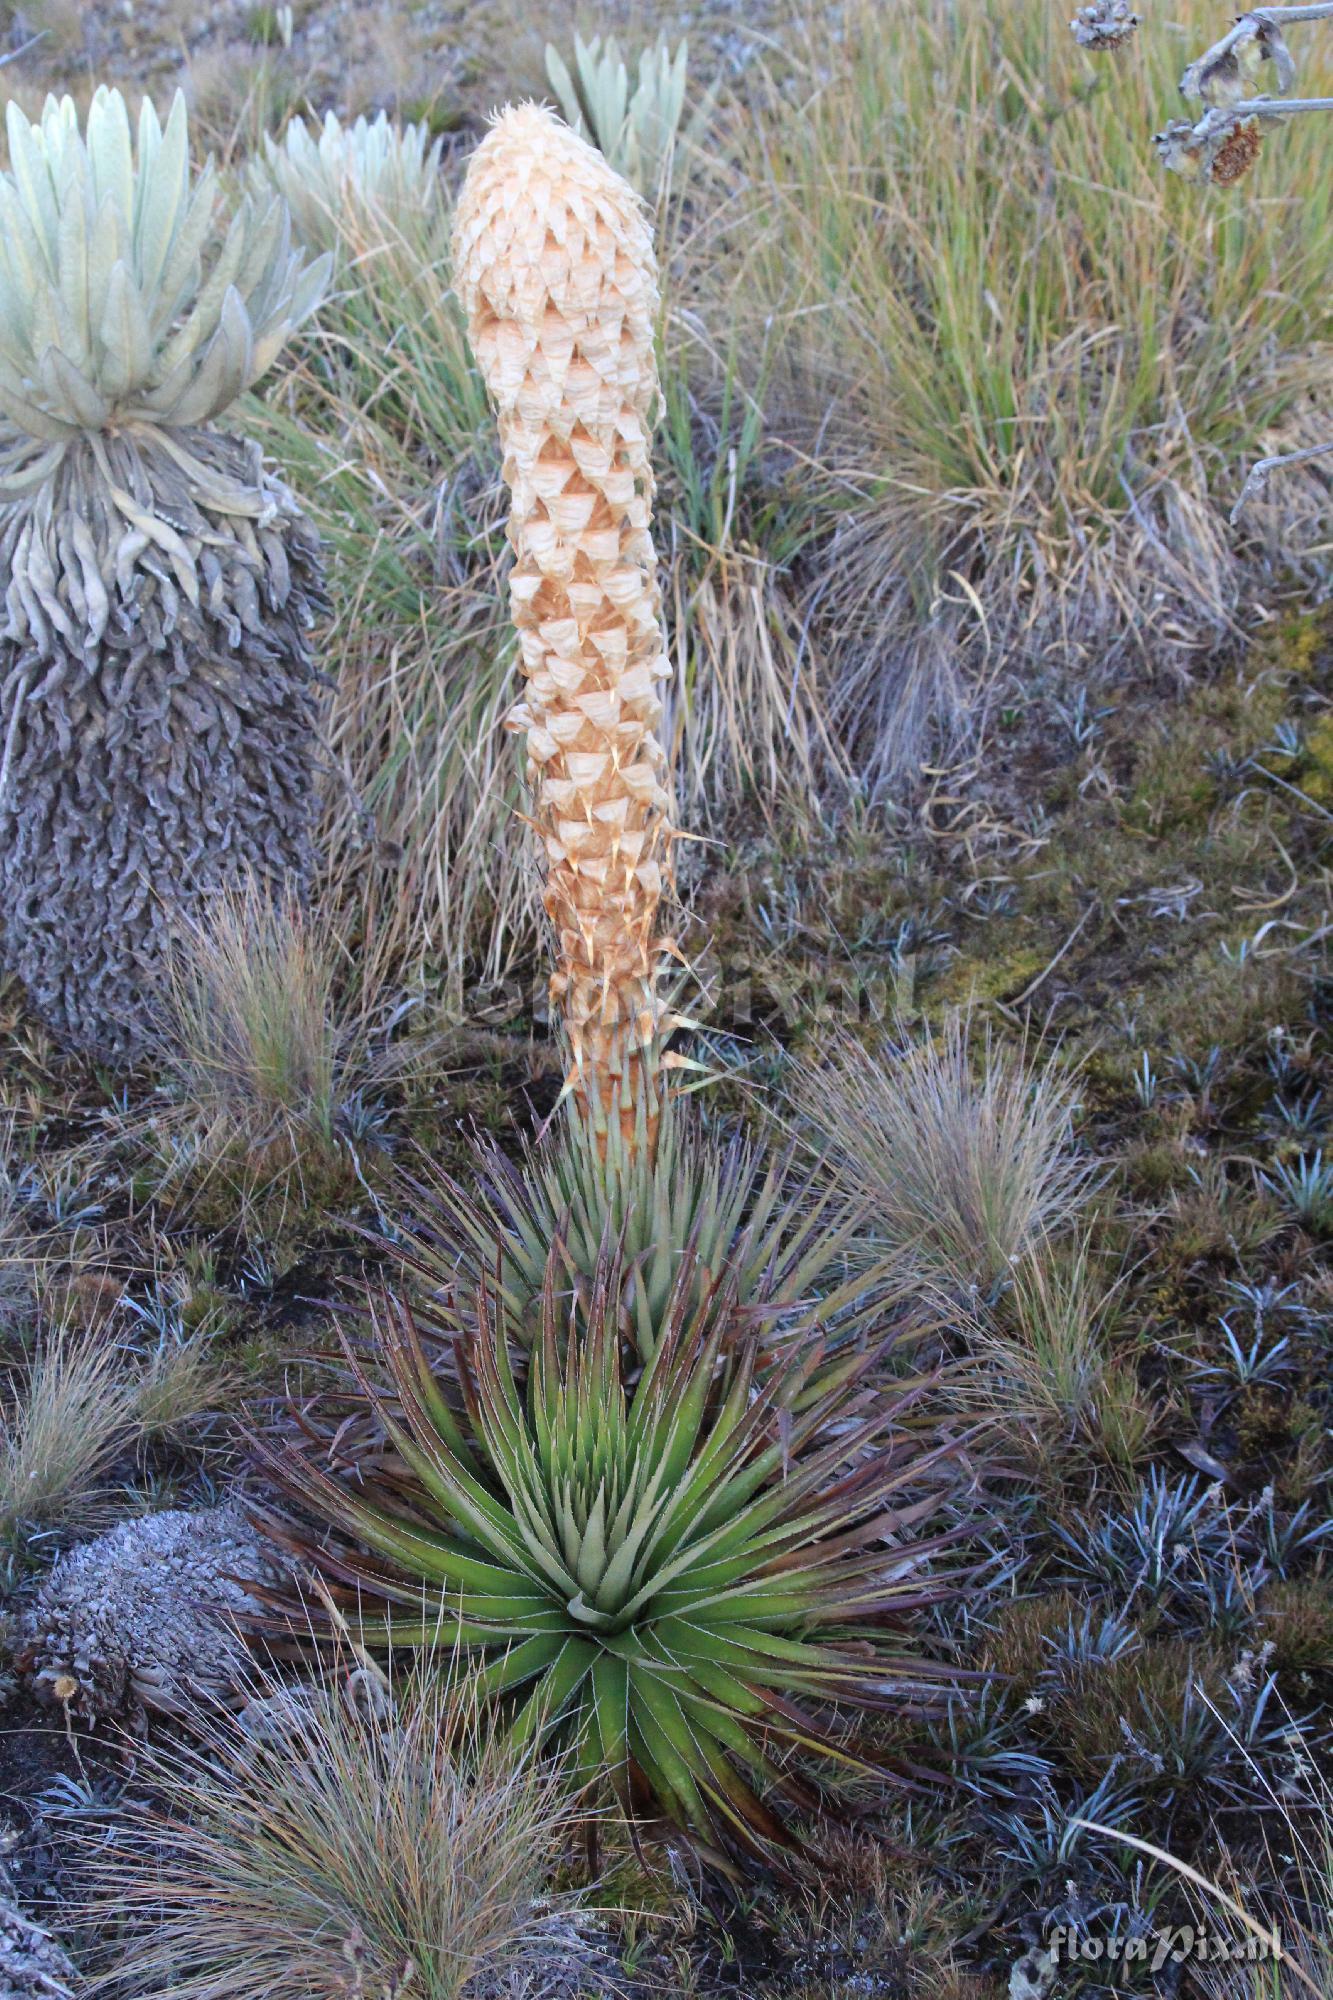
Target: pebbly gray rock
{"type": "Point", "coordinates": [143, 1616]}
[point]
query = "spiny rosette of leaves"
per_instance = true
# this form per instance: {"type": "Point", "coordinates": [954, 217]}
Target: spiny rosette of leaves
{"type": "Point", "coordinates": [686, 1575]}
{"type": "Point", "coordinates": [783, 1234]}
{"type": "Point", "coordinates": [158, 730]}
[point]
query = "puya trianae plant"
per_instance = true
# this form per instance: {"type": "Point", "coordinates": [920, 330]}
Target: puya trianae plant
{"type": "Point", "coordinates": [697, 1576]}
{"type": "Point", "coordinates": [628, 1441]}
{"type": "Point", "coordinates": [158, 728]}
{"type": "Point", "coordinates": [554, 264]}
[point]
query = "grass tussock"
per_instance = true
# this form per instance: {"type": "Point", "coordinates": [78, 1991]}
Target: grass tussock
{"type": "Point", "coordinates": [748, 720]}
{"type": "Point", "coordinates": [252, 1007]}
{"type": "Point", "coordinates": [958, 1152]}
{"type": "Point", "coordinates": [16, 1259]}
{"type": "Point", "coordinates": [65, 1420]}
{"type": "Point", "coordinates": [181, 1381]}
{"type": "Point", "coordinates": [1033, 364]}
{"type": "Point", "coordinates": [267, 1044]}
{"type": "Point", "coordinates": [336, 1840]}
{"type": "Point", "coordinates": [1045, 1346]}
{"type": "Point", "coordinates": [1056, 1370]}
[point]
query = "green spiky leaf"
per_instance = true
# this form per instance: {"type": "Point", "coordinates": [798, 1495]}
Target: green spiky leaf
{"type": "Point", "coordinates": [779, 1232]}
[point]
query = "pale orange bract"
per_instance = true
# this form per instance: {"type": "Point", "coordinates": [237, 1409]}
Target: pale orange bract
{"type": "Point", "coordinates": [554, 263]}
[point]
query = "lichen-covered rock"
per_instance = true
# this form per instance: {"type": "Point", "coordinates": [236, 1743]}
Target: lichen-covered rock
{"type": "Point", "coordinates": [144, 1617]}
{"type": "Point", "coordinates": [568, 1958]}
{"type": "Point", "coordinates": [32, 1964]}
{"type": "Point", "coordinates": [160, 727]}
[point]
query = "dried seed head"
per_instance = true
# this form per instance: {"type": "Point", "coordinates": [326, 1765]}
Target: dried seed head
{"type": "Point", "coordinates": [1237, 153]}
{"type": "Point", "coordinates": [1220, 148]}
{"type": "Point", "coordinates": [1106, 24]}
{"type": "Point", "coordinates": [554, 264]}
{"type": "Point", "coordinates": [1181, 149]}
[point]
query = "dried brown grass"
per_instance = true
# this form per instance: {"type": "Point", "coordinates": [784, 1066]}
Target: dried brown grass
{"type": "Point", "coordinates": [67, 1415]}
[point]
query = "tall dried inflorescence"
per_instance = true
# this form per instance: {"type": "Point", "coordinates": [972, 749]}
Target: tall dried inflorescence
{"type": "Point", "coordinates": [554, 264]}
{"type": "Point", "coordinates": [157, 722]}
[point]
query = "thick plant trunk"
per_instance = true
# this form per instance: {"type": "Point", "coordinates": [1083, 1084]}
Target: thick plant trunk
{"type": "Point", "coordinates": [158, 719]}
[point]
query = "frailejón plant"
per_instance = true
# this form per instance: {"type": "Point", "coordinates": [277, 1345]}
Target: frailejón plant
{"type": "Point", "coordinates": [346, 184]}
{"type": "Point", "coordinates": [639, 129]}
{"type": "Point", "coordinates": [157, 720]}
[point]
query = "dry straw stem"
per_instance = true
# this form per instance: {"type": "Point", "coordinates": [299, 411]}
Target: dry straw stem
{"type": "Point", "coordinates": [1282, 1961]}
{"type": "Point", "coordinates": [554, 264]}
{"type": "Point", "coordinates": [959, 1153]}
{"type": "Point", "coordinates": [1298, 1850]}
